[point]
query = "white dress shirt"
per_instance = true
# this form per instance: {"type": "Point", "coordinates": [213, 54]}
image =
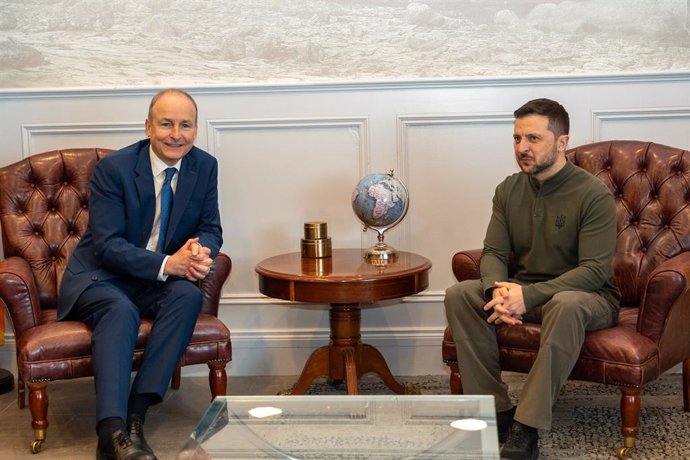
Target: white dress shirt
{"type": "Point", "coordinates": [158, 168]}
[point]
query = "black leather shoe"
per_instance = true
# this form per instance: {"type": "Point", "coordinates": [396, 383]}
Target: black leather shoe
{"type": "Point", "coordinates": [135, 429]}
{"type": "Point", "coordinates": [504, 420]}
{"type": "Point", "coordinates": [121, 447]}
{"type": "Point", "coordinates": [522, 443]}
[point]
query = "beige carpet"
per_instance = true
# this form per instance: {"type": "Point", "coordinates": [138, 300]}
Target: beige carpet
{"type": "Point", "coordinates": [586, 417]}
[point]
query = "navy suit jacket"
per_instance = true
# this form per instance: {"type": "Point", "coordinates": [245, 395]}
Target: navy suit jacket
{"type": "Point", "coordinates": [121, 212]}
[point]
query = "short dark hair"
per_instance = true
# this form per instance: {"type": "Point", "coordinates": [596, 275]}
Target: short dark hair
{"type": "Point", "coordinates": [559, 121]}
{"type": "Point", "coordinates": [159, 94]}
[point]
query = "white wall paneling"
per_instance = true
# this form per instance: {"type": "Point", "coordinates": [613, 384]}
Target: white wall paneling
{"type": "Point", "coordinates": [666, 125]}
{"type": "Point", "coordinates": [289, 154]}
{"type": "Point", "coordinates": [38, 138]}
{"type": "Point", "coordinates": [276, 174]}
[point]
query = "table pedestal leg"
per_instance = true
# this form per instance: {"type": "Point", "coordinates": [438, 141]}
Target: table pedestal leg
{"type": "Point", "coordinates": [346, 357]}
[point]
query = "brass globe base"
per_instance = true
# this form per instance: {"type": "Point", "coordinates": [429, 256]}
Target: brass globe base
{"type": "Point", "coordinates": [380, 254]}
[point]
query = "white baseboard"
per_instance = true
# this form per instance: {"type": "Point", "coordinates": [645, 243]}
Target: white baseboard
{"type": "Point", "coordinates": [407, 351]}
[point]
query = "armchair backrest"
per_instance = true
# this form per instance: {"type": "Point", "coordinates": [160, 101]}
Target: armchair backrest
{"type": "Point", "coordinates": [44, 212]}
{"type": "Point", "coordinates": [651, 186]}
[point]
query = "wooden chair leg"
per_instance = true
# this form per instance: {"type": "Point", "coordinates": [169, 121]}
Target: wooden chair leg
{"type": "Point", "coordinates": [630, 418]}
{"type": "Point", "coordinates": [38, 403]}
{"type": "Point", "coordinates": [686, 385]}
{"type": "Point", "coordinates": [176, 378]}
{"type": "Point", "coordinates": [455, 381]}
{"type": "Point", "coordinates": [217, 378]}
{"type": "Point", "coordinates": [21, 391]}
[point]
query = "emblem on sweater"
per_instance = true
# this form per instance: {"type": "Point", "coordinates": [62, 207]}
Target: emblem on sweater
{"type": "Point", "coordinates": [560, 221]}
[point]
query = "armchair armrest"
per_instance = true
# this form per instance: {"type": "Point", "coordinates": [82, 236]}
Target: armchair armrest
{"type": "Point", "coordinates": [665, 309]}
{"type": "Point", "coordinates": [466, 264]}
{"type": "Point", "coordinates": [212, 286]}
{"type": "Point", "coordinates": [19, 293]}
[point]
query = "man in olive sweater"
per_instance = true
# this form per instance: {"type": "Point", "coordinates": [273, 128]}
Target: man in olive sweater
{"type": "Point", "coordinates": [558, 223]}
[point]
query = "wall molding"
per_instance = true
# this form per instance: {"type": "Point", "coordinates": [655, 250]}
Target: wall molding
{"type": "Point", "coordinates": [405, 122]}
{"type": "Point", "coordinates": [268, 87]}
{"type": "Point", "coordinates": [601, 116]}
{"type": "Point", "coordinates": [31, 131]}
{"type": "Point", "coordinates": [361, 123]}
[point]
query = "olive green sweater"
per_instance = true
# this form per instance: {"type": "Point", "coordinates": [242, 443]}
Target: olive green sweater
{"type": "Point", "coordinates": [562, 236]}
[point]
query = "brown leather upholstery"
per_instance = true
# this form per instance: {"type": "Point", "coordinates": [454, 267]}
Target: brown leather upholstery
{"type": "Point", "coordinates": [651, 186]}
{"type": "Point", "coordinates": [43, 214]}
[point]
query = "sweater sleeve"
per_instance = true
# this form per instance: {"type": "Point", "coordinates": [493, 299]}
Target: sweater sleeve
{"type": "Point", "coordinates": [493, 265]}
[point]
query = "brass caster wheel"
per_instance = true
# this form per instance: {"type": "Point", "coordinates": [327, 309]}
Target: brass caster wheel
{"type": "Point", "coordinates": [36, 446]}
{"type": "Point", "coordinates": [411, 389]}
{"type": "Point", "coordinates": [624, 452]}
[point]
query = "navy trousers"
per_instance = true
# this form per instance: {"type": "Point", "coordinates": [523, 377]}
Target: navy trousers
{"type": "Point", "coordinates": [113, 309]}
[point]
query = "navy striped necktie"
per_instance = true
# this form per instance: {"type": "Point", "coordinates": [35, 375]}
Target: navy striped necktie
{"type": "Point", "coordinates": [166, 206]}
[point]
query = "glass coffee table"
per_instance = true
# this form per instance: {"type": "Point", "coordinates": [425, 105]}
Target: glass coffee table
{"type": "Point", "coordinates": [346, 428]}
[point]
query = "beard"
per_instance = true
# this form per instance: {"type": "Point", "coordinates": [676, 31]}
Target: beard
{"type": "Point", "coordinates": [546, 163]}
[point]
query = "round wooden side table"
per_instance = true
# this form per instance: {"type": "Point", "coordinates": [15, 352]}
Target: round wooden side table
{"type": "Point", "coordinates": [343, 280]}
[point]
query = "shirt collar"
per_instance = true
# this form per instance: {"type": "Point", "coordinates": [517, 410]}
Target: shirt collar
{"type": "Point", "coordinates": [158, 165]}
{"type": "Point", "coordinates": [555, 180]}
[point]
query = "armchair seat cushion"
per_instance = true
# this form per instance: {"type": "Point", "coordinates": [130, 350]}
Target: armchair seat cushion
{"type": "Point", "coordinates": [62, 350]}
{"type": "Point", "coordinates": [614, 356]}
{"type": "Point", "coordinates": [55, 351]}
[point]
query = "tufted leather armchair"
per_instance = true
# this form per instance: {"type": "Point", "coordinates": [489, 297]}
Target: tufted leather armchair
{"type": "Point", "coordinates": [651, 185]}
{"type": "Point", "coordinates": [43, 213]}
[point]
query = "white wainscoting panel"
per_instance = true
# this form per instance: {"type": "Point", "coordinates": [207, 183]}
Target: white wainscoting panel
{"type": "Point", "coordinates": [275, 175]}
{"type": "Point", "coordinates": [37, 138]}
{"type": "Point", "coordinates": [670, 126]}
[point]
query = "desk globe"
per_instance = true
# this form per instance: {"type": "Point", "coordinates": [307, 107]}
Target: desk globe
{"type": "Point", "coordinates": [380, 201]}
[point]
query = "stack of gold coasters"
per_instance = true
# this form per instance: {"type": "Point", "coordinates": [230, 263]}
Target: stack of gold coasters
{"type": "Point", "coordinates": [316, 242]}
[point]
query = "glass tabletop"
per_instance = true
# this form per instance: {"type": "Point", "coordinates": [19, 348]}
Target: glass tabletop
{"type": "Point", "coordinates": [346, 428]}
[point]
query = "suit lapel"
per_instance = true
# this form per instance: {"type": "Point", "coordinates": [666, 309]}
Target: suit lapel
{"type": "Point", "coordinates": [143, 181]}
{"type": "Point", "coordinates": [186, 183]}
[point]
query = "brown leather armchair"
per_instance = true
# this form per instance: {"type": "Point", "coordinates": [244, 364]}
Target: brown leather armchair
{"type": "Point", "coordinates": [651, 185]}
{"type": "Point", "coordinates": [43, 213]}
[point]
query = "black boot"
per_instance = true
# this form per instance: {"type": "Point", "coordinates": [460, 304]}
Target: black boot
{"type": "Point", "coordinates": [522, 443]}
{"type": "Point", "coordinates": [504, 420]}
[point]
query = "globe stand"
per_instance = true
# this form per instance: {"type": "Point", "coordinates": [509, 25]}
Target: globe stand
{"type": "Point", "coordinates": [380, 253]}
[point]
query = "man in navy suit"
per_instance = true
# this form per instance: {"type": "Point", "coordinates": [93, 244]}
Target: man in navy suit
{"type": "Point", "coordinates": [120, 273]}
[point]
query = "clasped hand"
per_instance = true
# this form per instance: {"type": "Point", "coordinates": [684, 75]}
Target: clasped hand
{"type": "Point", "coordinates": [192, 261]}
{"type": "Point", "coordinates": [507, 303]}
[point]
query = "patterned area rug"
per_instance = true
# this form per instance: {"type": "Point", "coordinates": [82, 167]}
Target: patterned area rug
{"type": "Point", "coordinates": [586, 421]}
